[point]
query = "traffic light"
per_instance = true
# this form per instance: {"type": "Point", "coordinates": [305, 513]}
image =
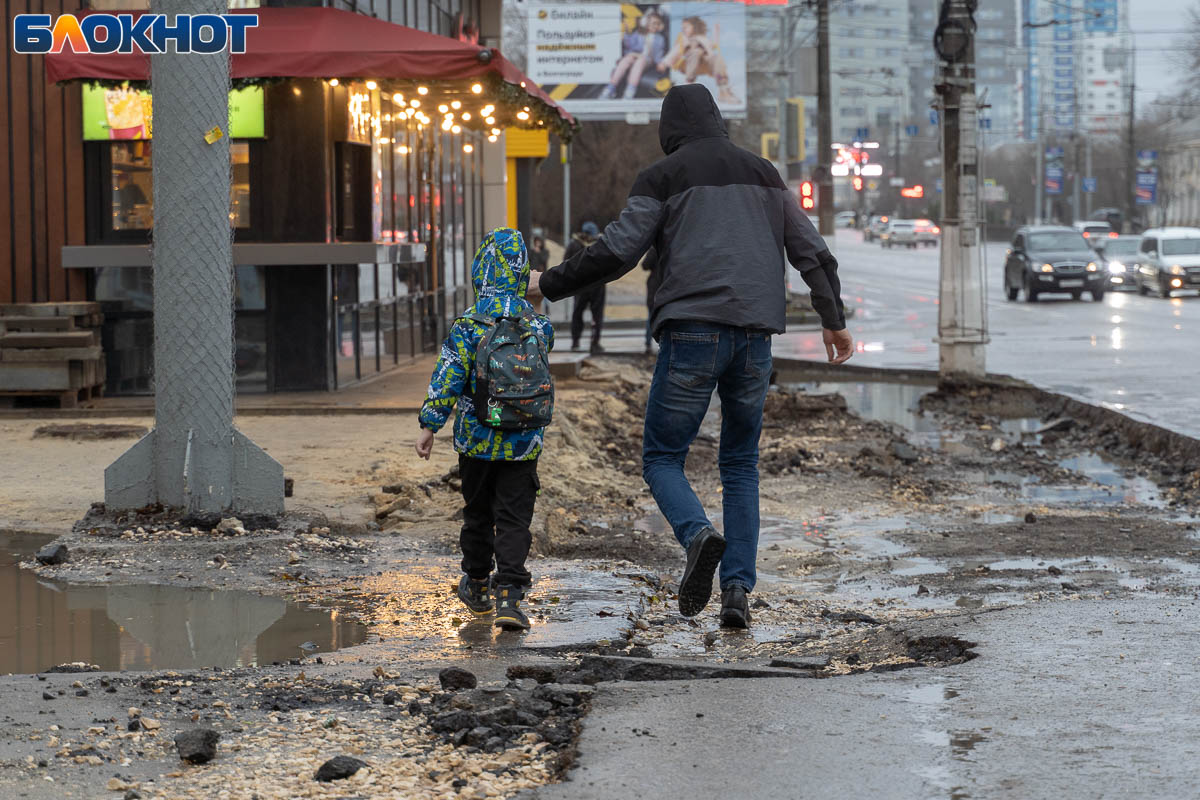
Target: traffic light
{"type": "Point", "coordinates": [857, 183]}
{"type": "Point", "coordinates": [807, 200]}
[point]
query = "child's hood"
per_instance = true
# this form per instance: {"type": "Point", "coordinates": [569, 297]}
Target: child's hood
{"type": "Point", "coordinates": [501, 265]}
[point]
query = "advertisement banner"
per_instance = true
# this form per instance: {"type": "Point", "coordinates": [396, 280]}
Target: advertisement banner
{"type": "Point", "coordinates": [1054, 170]}
{"type": "Point", "coordinates": [115, 114]}
{"type": "Point", "coordinates": [603, 61]}
{"type": "Point", "coordinates": [1145, 187]}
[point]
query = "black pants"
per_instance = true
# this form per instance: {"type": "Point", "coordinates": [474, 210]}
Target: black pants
{"type": "Point", "coordinates": [498, 506]}
{"type": "Point", "coordinates": [594, 299]}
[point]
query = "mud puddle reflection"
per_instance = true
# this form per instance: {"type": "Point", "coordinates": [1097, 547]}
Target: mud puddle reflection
{"type": "Point", "coordinates": [45, 623]}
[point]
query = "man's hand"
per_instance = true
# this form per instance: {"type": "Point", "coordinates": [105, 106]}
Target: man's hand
{"type": "Point", "coordinates": [425, 443]}
{"type": "Point", "coordinates": [534, 290]}
{"type": "Point", "coordinates": [839, 345]}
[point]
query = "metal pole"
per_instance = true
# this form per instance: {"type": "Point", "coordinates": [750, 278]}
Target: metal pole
{"type": "Point", "coordinates": [782, 89]}
{"type": "Point", "coordinates": [1131, 149]}
{"type": "Point", "coordinates": [194, 460]}
{"type": "Point", "coordinates": [1039, 178]}
{"type": "Point", "coordinates": [962, 329]}
{"type": "Point", "coordinates": [824, 177]}
{"type": "Point", "coordinates": [565, 152]}
{"type": "Point", "coordinates": [1087, 168]}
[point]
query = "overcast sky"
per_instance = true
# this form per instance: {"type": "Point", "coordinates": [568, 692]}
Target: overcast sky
{"type": "Point", "coordinates": [1158, 26]}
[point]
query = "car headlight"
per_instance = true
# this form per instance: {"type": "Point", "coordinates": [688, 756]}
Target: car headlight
{"type": "Point", "coordinates": [1091, 267]}
{"type": "Point", "coordinates": [1047, 268]}
{"type": "Point", "coordinates": [1177, 270]}
{"type": "Point", "coordinates": [1116, 268]}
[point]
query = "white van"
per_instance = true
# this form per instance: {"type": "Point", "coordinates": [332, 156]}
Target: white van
{"type": "Point", "coordinates": [1168, 260]}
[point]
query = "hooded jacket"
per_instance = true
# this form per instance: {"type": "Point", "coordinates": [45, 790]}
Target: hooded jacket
{"type": "Point", "coordinates": [500, 273]}
{"type": "Point", "coordinates": [724, 225]}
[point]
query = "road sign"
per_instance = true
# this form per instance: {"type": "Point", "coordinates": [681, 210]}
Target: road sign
{"type": "Point", "coordinates": [1146, 187]}
{"type": "Point", "coordinates": [985, 123]}
{"type": "Point", "coordinates": [911, 130]}
{"type": "Point", "coordinates": [933, 116]}
{"type": "Point", "coordinates": [939, 184]}
{"type": "Point", "coordinates": [1089, 185]}
{"type": "Point", "coordinates": [861, 133]}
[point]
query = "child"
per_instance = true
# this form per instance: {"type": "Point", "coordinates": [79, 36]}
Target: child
{"type": "Point", "coordinates": [498, 467]}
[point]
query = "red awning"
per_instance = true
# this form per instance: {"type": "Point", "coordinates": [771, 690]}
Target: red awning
{"type": "Point", "coordinates": [307, 42]}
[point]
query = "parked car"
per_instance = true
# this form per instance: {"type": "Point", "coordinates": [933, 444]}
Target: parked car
{"type": "Point", "coordinates": [874, 227]}
{"type": "Point", "coordinates": [899, 233]}
{"type": "Point", "coordinates": [1168, 259]}
{"type": "Point", "coordinates": [928, 232]}
{"type": "Point", "coordinates": [1117, 257]}
{"type": "Point", "coordinates": [1049, 258]}
{"type": "Point", "coordinates": [1094, 231]}
{"type": "Point", "coordinates": [845, 219]}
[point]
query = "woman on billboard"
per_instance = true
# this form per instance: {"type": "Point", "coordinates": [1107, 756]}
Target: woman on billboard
{"type": "Point", "coordinates": [694, 54]}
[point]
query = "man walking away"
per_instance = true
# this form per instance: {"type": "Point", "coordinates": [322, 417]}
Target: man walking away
{"type": "Point", "coordinates": [722, 222]}
{"type": "Point", "coordinates": [592, 297]}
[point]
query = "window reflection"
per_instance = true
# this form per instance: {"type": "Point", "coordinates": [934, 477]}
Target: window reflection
{"type": "Point", "coordinates": [133, 188]}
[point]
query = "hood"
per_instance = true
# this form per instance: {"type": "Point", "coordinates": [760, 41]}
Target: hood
{"type": "Point", "coordinates": [689, 112]}
{"type": "Point", "coordinates": [501, 265]}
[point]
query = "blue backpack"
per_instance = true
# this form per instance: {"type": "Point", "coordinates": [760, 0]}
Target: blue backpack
{"type": "Point", "coordinates": [514, 390]}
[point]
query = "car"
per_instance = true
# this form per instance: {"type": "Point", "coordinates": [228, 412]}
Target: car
{"type": "Point", "coordinates": [1094, 231]}
{"type": "Point", "coordinates": [1167, 259]}
{"type": "Point", "coordinates": [1117, 256]}
{"type": "Point", "coordinates": [899, 233]}
{"type": "Point", "coordinates": [874, 227]}
{"type": "Point", "coordinates": [1050, 258]}
{"type": "Point", "coordinates": [928, 232]}
{"type": "Point", "coordinates": [845, 219]}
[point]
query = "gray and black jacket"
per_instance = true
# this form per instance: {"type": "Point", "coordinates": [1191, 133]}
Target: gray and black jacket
{"type": "Point", "coordinates": [722, 222]}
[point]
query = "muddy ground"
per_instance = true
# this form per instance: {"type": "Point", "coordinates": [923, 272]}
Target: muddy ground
{"type": "Point", "coordinates": [868, 530]}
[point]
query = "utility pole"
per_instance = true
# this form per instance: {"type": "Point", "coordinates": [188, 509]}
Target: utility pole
{"type": "Point", "coordinates": [962, 325]}
{"type": "Point", "coordinates": [824, 176]}
{"type": "Point", "coordinates": [1130, 147]}
{"type": "Point", "coordinates": [782, 88]}
{"type": "Point", "coordinates": [1039, 177]}
{"type": "Point", "coordinates": [194, 460]}
{"type": "Point", "coordinates": [1087, 168]}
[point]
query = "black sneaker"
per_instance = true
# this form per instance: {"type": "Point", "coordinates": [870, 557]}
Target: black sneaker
{"type": "Point", "coordinates": [703, 558]}
{"type": "Point", "coordinates": [509, 615]}
{"type": "Point", "coordinates": [476, 595]}
{"type": "Point", "coordinates": [735, 611]}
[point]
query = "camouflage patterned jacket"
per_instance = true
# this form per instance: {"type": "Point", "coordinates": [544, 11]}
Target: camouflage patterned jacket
{"type": "Point", "coordinates": [500, 273]}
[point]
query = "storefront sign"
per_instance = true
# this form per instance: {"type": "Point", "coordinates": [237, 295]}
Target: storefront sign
{"type": "Point", "coordinates": [603, 61]}
{"type": "Point", "coordinates": [115, 114]}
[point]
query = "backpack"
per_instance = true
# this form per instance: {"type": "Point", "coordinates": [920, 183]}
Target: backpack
{"type": "Point", "coordinates": [514, 390]}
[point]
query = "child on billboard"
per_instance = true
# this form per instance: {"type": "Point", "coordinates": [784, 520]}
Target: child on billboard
{"type": "Point", "coordinates": [694, 54]}
{"type": "Point", "coordinates": [643, 45]}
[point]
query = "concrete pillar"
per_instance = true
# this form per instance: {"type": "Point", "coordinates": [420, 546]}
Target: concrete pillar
{"type": "Point", "coordinates": [495, 185]}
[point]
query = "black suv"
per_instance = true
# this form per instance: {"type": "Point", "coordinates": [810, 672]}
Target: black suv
{"type": "Point", "coordinates": [1052, 258]}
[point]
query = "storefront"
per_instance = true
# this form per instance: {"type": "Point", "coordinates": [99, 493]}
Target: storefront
{"type": "Point", "coordinates": [357, 193]}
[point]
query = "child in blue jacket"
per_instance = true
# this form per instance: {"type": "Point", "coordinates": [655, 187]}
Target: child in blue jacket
{"type": "Point", "coordinates": [498, 468]}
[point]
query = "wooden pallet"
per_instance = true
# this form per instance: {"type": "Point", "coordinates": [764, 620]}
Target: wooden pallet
{"type": "Point", "coordinates": [51, 353]}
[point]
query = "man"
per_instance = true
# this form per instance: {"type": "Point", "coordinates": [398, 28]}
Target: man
{"type": "Point", "coordinates": [592, 297]}
{"type": "Point", "coordinates": [722, 222]}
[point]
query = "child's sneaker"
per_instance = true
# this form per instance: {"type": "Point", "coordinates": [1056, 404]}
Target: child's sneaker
{"type": "Point", "coordinates": [509, 615]}
{"type": "Point", "coordinates": [476, 595]}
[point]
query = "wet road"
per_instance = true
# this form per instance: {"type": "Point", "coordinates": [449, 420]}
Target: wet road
{"type": "Point", "coordinates": [1065, 700]}
{"type": "Point", "coordinates": [1139, 355]}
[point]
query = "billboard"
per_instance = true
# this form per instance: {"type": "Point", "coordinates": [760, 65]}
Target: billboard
{"type": "Point", "coordinates": [126, 114]}
{"type": "Point", "coordinates": [606, 60]}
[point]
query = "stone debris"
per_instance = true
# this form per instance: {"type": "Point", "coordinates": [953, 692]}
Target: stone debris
{"type": "Point", "coordinates": [230, 525]}
{"type": "Point", "coordinates": [197, 746]}
{"type": "Point", "coordinates": [339, 768]}
{"type": "Point", "coordinates": [53, 554]}
{"type": "Point", "coordinates": [454, 678]}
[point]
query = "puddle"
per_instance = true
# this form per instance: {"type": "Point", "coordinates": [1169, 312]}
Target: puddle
{"type": "Point", "coordinates": [44, 623]}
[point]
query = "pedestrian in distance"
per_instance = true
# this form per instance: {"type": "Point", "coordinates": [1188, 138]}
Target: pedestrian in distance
{"type": "Point", "coordinates": [494, 367]}
{"type": "Point", "coordinates": [723, 223]}
{"type": "Point", "coordinates": [539, 256]}
{"type": "Point", "coordinates": [593, 297]}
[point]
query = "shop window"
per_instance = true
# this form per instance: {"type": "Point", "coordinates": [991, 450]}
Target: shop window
{"type": "Point", "coordinates": [132, 187]}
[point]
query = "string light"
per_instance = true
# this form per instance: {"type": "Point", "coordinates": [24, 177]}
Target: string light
{"type": "Point", "coordinates": [422, 90]}
{"type": "Point", "coordinates": [493, 138]}
{"type": "Point", "coordinates": [398, 99]}
{"type": "Point", "coordinates": [443, 108]}
{"type": "Point", "coordinates": [446, 125]}
{"type": "Point", "coordinates": [466, 116]}
{"type": "Point", "coordinates": [487, 110]}
{"type": "Point", "coordinates": [372, 85]}
{"type": "Point", "coordinates": [333, 81]}
{"type": "Point", "coordinates": [456, 129]}
{"type": "Point", "coordinates": [490, 120]}
{"type": "Point", "coordinates": [522, 115]}
{"type": "Point", "coordinates": [456, 105]}
{"type": "Point", "coordinates": [468, 148]}
{"type": "Point", "coordinates": [476, 88]}
{"type": "Point", "coordinates": [402, 149]}
{"type": "Point", "coordinates": [415, 103]}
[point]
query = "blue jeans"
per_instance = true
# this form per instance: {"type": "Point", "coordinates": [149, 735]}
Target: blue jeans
{"type": "Point", "coordinates": [694, 358]}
